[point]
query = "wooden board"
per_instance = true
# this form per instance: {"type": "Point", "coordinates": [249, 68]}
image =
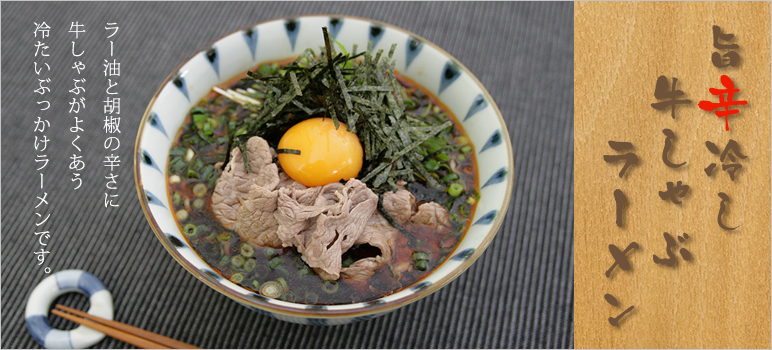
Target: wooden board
{"type": "Point", "coordinates": [721, 298]}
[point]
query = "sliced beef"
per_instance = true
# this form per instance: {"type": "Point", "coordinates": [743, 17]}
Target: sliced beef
{"type": "Point", "coordinates": [380, 234]}
{"type": "Point", "coordinates": [245, 202]}
{"type": "Point", "coordinates": [268, 208]}
{"type": "Point", "coordinates": [433, 215]}
{"type": "Point", "coordinates": [286, 181]}
{"type": "Point", "coordinates": [323, 229]}
{"type": "Point", "coordinates": [399, 205]}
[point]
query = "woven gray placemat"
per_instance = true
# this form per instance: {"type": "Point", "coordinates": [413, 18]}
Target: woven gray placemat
{"type": "Point", "coordinates": [518, 294]}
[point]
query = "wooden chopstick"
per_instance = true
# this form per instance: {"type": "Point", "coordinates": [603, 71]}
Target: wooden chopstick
{"type": "Point", "coordinates": [121, 331]}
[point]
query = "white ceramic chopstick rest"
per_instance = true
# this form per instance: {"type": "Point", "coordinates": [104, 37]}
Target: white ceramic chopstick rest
{"type": "Point", "coordinates": [62, 282]}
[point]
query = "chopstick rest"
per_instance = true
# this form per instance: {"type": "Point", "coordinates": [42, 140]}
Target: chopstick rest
{"type": "Point", "coordinates": [50, 288]}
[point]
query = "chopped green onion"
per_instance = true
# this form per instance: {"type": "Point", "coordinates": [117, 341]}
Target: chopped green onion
{"type": "Point", "coordinates": [198, 163]}
{"type": "Point", "coordinates": [461, 158]}
{"type": "Point", "coordinates": [311, 297]}
{"type": "Point", "coordinates": [198, 110]}
{"type": "Point", "coordinates": [224, 236]}
{"type": "Point", "coordinates": [419, 255]}
{"type": "Point", "coordinates": [288, 296]}
{"type": "Point", "coordinates": [241, 131]}
{"type": "Point", "coordinates": [199, 203]}
{"type": "Point", "coordinates": [207, 128]}
{"type": "Point", "coordinates": [182, 215]}
{"type": "Point", "coordinates": [267, 70]}
{"type": "Point", "coordinates": [455, 189]}
{"type": "Point", "coordinates": [237, 277]}
{"type": "Point", "coordinates": [462, 140]}
{"type": "Point", "coordinates": [189, 154]}
{"type": "Point", "coordinates": [443, 157]}
{"type": "Point", "coordinates": [470, 200]}
{"type": "Point", "coordinates": [466, 149]}
{"type": "Point", "coordinates": [283, 270]}
{"type": "Point", "coordinates": [269, 252]}
{"type": "Point", "coordinates": [271, 289]}
{"type": "Point", "coordinates": [330, 287]}
{"type": "Point", "coordinates": [450, 177]}
{"type": "Point", "coordinates": [434, 144]}
{"type": "Point", "coordinates": [255, 285]}
{"type": "Point", "coordinates": [432, 165]}
{"type": "Point", "coordinates": [192, 174]}
{"type": "Point", "coordinates": [393, 273]}
{"type": "Point", "coordinates": [199, 190]}
{"type": "Point", "coordinates": [246, 250]}
{"type": "Point", "coordinates": [176, 198]}
{"type": "Point", "coordinates": [213, 123]}
{"type": "Point", "coordinates": [305, 271]}
{"type": "Point", "coordinates": [410, 104]}
{"type": "Point", "coordinates": [283, 283]}
{"type": "Point", "coordinates": [237, 260]}
{"type": "Point", "coordinates": [190, 230]}
{"type": "Point", "coordinates": [420, 260]}
{"type": "Point", "coordinates": [199, 118]}
{"type": "Point", "coordinates": [177, 151]}
{"type": "Point", "coordinates": [250, 264]}
{"type": "Point", "coordinates": [225, 260]}
{"type": "Point", "coordinates": [276, 261]}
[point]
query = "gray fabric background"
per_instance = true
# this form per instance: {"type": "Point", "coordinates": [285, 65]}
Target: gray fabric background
{"type": "Point", "coordinates": [518, 294]}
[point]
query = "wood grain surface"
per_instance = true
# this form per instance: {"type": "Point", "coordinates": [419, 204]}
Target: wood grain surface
{"type": "Point", "coordinates": [721, 298]}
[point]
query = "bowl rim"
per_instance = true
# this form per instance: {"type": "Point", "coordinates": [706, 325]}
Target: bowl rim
{"type": "Point", "coordinates": [324, 312]}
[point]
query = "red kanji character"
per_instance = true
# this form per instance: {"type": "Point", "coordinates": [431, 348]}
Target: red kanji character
{"type": "Point", "coordinates": [725, 102]}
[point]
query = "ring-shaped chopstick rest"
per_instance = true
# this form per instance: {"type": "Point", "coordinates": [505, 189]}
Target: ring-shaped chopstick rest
{"type": "Point", "coordinates": [44, 294]}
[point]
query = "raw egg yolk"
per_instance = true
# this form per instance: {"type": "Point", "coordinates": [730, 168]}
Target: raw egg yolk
{"type": "Point", "coordinates": [326, 155]}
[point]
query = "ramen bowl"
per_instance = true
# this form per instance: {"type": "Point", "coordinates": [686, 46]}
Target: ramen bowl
{"type": "Point", "coordinates": [417, 59]}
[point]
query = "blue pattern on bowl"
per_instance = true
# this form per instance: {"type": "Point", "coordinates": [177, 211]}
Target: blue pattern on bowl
{"type": "Point", "coordinates": [420, 286]}
{"type": "Point", "coordinates": [335, 25]}
{"type": "Point", "coordinates": [250, 36]}
{"type": "Point", "coordinates": [493, 141]}
{"type": "Point", "coordinates": [376, 33]}
{"type": "Point", "coordinates": [176, 241]}
{"type": "Point", "coordinates": [413, 48]}
{"type": "Point", "coordinates": [148, 160]}
{"type": "Point", "coordinates": [292, 26]}
{"type": "Point", "coordinates": [465, 254]}
{"type": "Point", "coordinates": [152, 199]}
{"type": "Point", "coordinates": [497, 178]}
{"type": "Point", "coordinates": [449, 74]}
{"type": "Point", "coordinates": [156, 123]}
{"type": "Point", "coordinates": [486, 219]}
{"type": "Point", "coordinates": [211, 274]}
{"type": "Point", "coordinates": [478, 105]}
{"type": "Point", "coordinates": [180, 83]}
{"type": "Point", "coordinates": [211, 56]}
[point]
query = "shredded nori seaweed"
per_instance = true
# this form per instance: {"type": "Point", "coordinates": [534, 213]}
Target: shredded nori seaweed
{"type": "Point", "coordinates": [362, 93]}
{"type": "Point", "coordinates": [288, 151]}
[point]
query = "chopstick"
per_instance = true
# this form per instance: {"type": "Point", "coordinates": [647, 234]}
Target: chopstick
{"type": "Point", "coordinates": [121, 331]}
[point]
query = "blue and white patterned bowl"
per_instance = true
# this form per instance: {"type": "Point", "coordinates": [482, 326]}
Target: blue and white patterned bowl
{"type": "Point", "coordinates": [416, 58]}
